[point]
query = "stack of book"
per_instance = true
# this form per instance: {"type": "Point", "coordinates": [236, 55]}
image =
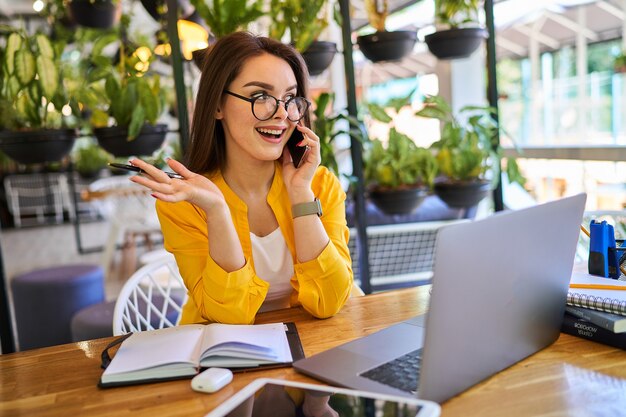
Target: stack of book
{"type": "Point", "coordinates": [596, 310]}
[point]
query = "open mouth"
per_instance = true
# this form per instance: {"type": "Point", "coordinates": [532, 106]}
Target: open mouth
{"type": "Point", "coordinates": [272, 134]}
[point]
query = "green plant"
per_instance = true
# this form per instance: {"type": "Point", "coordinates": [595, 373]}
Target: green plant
{"type": "Point", "coordinates": [228, 16]}
{"type": "Point", "coordinates": [455, 13]}
{"type": "Point", "coordinates": [619, 63]}
{"type": "Point", "coordinates": [467, 149]}
{"type": "Point", "coordinates": [33, 93]}
{"type": "Point", "coordinates": [304, 19]}
{"type": "Point", "coordinates": [377, 12]}
{"type": "Point", "coordinates": [401, 163]}
{"type": "Point", "coordinates": [128, 92]}
{"type": "Point", "coordinates": [325, 126]}
{"type": "Point", "coordinates": [88, 157]}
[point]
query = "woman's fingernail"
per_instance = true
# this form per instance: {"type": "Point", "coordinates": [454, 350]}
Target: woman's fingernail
{"type": "Point", "coordinates": [301, 143]}
{"type": "Point", "coordinates": [167, 158]}
{"type": "Point", "coordinates": [153, 195]}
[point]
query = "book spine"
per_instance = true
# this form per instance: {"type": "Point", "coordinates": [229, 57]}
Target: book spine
{"type": "Point", "coordinates": [590, 316]}
{"type": "Point", "coordinates": [597, 303]}
{"type": "Point", "coordinates": [582, 328]}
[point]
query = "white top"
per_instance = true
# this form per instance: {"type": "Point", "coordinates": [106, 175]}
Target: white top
{"type": "Point", "coordinates": [273, 263]}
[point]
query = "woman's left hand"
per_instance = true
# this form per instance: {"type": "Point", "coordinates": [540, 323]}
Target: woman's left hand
{"type": "Point", "coordinates": [298, 180]}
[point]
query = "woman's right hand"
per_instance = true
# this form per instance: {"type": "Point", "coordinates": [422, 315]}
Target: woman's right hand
{"type": "Point", "coordinates": [193, 188]}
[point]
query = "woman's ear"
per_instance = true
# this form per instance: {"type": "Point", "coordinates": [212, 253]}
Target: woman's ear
{"type": "Point", "coordinates": [218, 114]}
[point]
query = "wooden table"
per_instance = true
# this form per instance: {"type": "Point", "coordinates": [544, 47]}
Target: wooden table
{"type": "Point", "coordinates": [571, 377]}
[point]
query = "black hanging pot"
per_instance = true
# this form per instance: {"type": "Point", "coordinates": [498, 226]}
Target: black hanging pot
{"type": "Point", "coordinates": [37, 146]}
{"type": "Point", "coordinates": [319, 55]}
{"type": "Point", "coordinates": [393, 201]}
{"type": "Point", "coordinates": [455, 43]}
{"type": "Point", "coordinates": [99, 14]}
{"type": "Point", "coordinates": [387, 46]}
{"type": "Point", "coordinates": [115, 140]}
{"type": "Point", "coordinates": [462, 194]}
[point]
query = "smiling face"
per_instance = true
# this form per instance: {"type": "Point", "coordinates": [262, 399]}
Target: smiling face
{"type": "Point", "coordinates": [249, 140]}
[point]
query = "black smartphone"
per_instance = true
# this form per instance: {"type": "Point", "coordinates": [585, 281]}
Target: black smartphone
{"type": "Point", "coordinates": [133, 168]}
{"type": "Point", "coordinates": [297, 152]}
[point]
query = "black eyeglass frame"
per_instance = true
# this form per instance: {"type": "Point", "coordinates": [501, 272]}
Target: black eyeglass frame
{"type": "Point", "coordinates": [278, 101]}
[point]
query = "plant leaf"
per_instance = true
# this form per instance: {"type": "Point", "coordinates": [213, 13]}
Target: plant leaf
{"type": "Point", "coordinates": [25, 67]}
{"type": "Point", "coordinates": [136, 122]}
{"type": "Point", "coordinates": [44, 46]}
{"type": "Point", "coordinates": [48, 76]}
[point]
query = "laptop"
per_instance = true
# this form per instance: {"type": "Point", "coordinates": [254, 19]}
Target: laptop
{"type": "Point", "coordinates": [498, 295]}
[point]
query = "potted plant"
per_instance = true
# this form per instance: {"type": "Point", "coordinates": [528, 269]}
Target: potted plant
{"type": "Point", "coordinates": [459, 32]}
{"type": "Point", "coordinates": [99, 14]}
{"type": "Point", "coordinates": [468, 161]}
{"type": "Point", "coordinates": [619, 63]}
{"type": "Point", "coordinates": [89, 158]}
{"type": "Point", "coordinates": [224, 17]}
{"type": "Point", "coordinates": [399, 174]}
{"type": "Point", "coordinates": [324, 124]}
{"type": "Point", "coordinates": [36, 119]}
{"type": "Point", "coordinates": [304, 21]}
{"type": "Point", "coordinates": [130, 100]}
{"type": "Point", "coordinates": [383, 45]}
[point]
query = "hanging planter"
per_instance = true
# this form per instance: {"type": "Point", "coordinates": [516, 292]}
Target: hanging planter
{"type": "Point", "coordinates": [115, 140]}
{"type": "Point", "coordinates": [456, 42]}
{"type": "Point", "coordinates": [387, 46]}
{"type": "Point", "coordinates": [99, 14]}
{"type": "Point", "coordinates": [37, 146]}
{"type": "Point", "coordinates": [398, 200]}
{"type": "Point", "coordinates": [462, 194]}
{"type": "Point", "coordinates": [319, 55]}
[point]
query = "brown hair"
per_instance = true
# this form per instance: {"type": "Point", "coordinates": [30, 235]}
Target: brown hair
{"type": "Point", "coordinates": [221, 65]}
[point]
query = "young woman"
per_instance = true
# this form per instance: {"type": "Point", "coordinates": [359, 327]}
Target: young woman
{"type": "Point", "coordinates": [249, 230]}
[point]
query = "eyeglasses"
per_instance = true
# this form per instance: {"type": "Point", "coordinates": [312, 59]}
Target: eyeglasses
{"type": "Point", "coordinates": [264, 106]}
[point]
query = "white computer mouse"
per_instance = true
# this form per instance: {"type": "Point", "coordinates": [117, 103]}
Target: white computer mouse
{"type": "Point", "coordinates": [211, 380]}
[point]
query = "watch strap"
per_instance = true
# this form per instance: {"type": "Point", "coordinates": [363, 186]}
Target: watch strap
{"type": "Point", "coordinates": [305, 209]}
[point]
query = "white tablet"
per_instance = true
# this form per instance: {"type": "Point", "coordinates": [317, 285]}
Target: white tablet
{"type": "Point", "coordinates": [273, 397]}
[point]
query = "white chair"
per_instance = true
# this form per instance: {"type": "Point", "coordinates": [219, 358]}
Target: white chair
{"type": "Point", "coordinates": [152, 298]}
{"type": "Point", "coordinates": [130, 211]}
{"type": "Point", "coordinates": [40, 195]}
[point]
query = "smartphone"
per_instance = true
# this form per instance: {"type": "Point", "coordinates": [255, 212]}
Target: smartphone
{"type": "Point", "coordinates": [298, 153]}
{"type": "Point", "coordinates": [133, 168]}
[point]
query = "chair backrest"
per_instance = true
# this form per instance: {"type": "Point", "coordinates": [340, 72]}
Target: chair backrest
{"type": "Point", "coordinates": [38, 194]}
{"type": "Point", "coordinates": [128, 207]}
{"type": "Point", "coordinates": [152, 298]}
{"type": "Point", "coordinates": [400, 255]}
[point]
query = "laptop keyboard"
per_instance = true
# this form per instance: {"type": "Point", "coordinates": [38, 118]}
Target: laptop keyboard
{"type": "Point", "coordinates": [401, 373]}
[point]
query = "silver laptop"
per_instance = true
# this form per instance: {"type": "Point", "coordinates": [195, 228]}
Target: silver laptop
{"type": "Point", "coordinates": [498, 295]}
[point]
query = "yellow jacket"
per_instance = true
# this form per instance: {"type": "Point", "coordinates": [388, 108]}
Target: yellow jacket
{"type": "Point", "coordinates": [321, 285]}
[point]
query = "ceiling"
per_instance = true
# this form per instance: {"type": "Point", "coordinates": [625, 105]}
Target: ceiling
{"type": "Point", "coordinates": [553, 23]}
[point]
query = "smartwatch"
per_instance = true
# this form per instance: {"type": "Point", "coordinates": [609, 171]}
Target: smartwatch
{"type": "Point", "coordinates": [305, 209]}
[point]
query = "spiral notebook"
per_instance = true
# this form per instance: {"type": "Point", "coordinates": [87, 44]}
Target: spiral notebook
{"type": "Point", "coordinates": [609, 300]}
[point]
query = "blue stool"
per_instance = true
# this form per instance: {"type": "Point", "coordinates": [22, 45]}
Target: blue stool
{"type": "Point", "coordinates": [96, 321]}
{"type": "Point", "coordinates": [93, 322]}
{"type": "Point", "coordinates": [45, 300]}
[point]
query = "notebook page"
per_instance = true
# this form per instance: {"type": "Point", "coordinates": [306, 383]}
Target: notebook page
{"type": "Point", "coordinates": [149, 349]}
{"type": "Point", "coordinates": [265, 341]}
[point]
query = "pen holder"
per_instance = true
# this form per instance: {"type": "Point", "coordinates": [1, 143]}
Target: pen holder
{"type": "Point", "coordinates": [604, 254]}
